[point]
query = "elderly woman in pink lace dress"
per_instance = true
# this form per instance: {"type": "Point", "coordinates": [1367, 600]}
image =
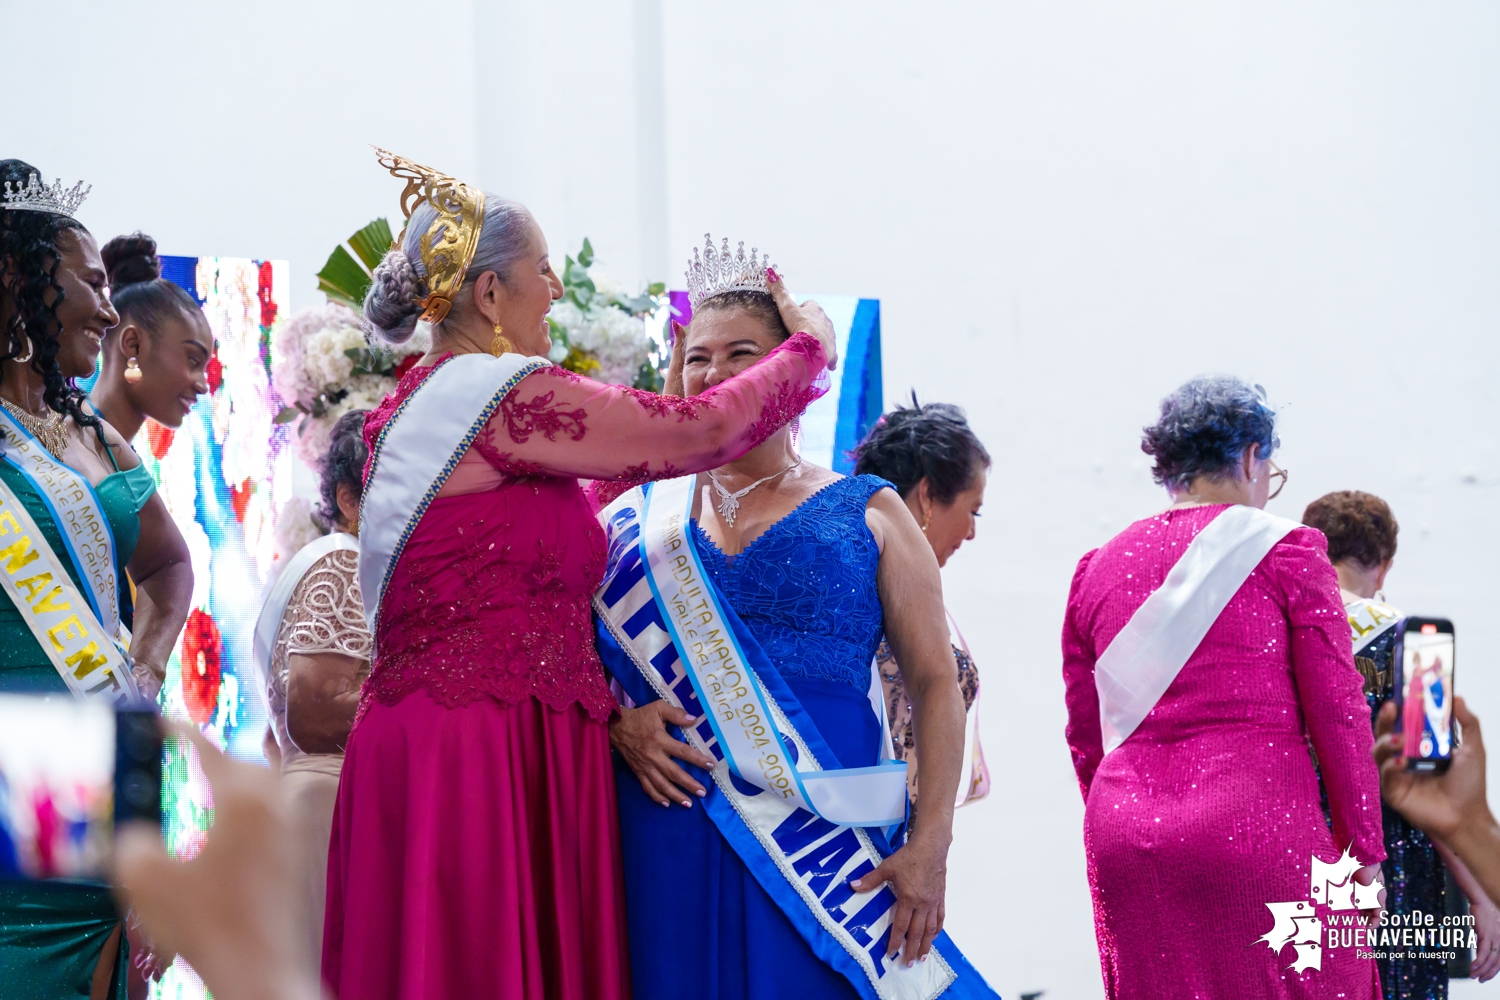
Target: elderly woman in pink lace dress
{"type": "Point", "coordinates": [1207, 810]}
{"type": "Point", "coordinates": [475, 848]}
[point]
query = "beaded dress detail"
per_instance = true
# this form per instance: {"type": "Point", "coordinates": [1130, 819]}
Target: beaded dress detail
{"type": "Point", "coordinates": [806, 586]}
{"type": "Point", "coordinates": [1415, 876]}
{"type": "Point", "coordinates": [490, 597]}
{"type": "Point", "coordinates": [325, 615]}
{"type": "Point", "coordinates": [807, 590]}
{"type": "Point", "coordinates": [475, 844]}
{"type": "Point", "coordinates": [1209, 810]}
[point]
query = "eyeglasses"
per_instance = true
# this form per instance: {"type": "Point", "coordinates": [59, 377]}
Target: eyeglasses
{"type": "Point", "coordinates": [1277, 470]}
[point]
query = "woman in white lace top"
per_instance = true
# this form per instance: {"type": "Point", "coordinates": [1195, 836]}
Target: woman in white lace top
{"type": "Point", "coordinates": [319, 659]}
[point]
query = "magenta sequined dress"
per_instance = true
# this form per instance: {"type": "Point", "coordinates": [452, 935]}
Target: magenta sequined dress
{"type": "Point", "coordinates": [1210, 809]}
{"type": "Point", "coordinates": [475, 849]}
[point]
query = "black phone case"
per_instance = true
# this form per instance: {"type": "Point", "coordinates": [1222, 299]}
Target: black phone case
{"type": "Point", "coordinates": [138, 766]}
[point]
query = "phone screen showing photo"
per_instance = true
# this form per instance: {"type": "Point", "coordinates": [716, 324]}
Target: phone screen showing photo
{"type": "Point", "coordinates": [57, 787]}
{"type": "Point", "coordinates": [1426, 693]}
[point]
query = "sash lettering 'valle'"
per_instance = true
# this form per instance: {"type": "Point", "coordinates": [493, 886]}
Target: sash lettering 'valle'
{"type": "Point", "coordinates": [661, 626]}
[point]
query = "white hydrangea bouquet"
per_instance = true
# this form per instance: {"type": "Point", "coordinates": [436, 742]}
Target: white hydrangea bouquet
{"type": "Point", "coordinates": [324, 368]}
{"type": "Point", "coordinates": [322, 365]}
{"type": "Point", "coordinates": [601, 331]}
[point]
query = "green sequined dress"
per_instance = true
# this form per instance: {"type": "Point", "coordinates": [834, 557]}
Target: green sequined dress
{"type": "Point", "coordinates": [51, 933]}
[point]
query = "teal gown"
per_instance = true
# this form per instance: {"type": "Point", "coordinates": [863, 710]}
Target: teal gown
{"type": "Point", "coordinates": [51, 933]}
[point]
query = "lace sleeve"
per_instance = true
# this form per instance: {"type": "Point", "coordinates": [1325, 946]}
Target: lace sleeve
{"type": "Point", "coordinates": [326, 614]}
{"type": "Point", "coordinates": [558, 423]}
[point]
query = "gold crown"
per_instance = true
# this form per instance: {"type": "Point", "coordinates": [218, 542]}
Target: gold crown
{"type": "Point", "coordinates": [447, 248]}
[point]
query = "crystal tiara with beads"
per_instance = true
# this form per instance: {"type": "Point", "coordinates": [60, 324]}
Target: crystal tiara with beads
{"type": "Point", "coordinates": [717, 271]}
{"type": "Point", "coordinates": [34, 196]}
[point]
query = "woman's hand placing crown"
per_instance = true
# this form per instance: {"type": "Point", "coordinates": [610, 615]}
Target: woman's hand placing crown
{"type": "Point", "coordinates": [808, 317]}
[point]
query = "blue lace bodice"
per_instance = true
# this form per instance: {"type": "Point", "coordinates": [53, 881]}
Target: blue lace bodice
{"type": "Point", "coordinates": [806, 587]}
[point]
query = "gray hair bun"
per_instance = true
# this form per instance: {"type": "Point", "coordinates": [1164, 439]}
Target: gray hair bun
{"type": "Point", "coordinates": [392, 303]}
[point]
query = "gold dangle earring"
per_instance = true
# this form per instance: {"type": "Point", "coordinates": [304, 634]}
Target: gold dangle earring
{"type": "Point", "coordinates": [501, 344]}
{"type": "Point", "coordinates": [133, 373]}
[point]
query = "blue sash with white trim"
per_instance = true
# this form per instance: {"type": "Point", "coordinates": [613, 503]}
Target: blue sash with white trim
{"type": "Point", "coordinates": [665, 632]}
{"type": "Point", "coordinates": [88, 540]}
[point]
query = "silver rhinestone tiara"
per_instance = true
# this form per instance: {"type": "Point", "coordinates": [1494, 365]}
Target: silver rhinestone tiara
{"type": "Point", "coordinates": [717, 272]}
{"type": "Point", "coordinates": [34, 196]}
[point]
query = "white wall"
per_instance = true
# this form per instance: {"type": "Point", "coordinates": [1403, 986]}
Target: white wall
{"type": "Point", "coordinates": [1065, 208]}
{"type": "Point", "coordinates": [237, 130]}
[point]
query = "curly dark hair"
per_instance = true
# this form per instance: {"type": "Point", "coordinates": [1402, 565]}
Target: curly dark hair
{"type": "Point", "coordinates": [344, 465]}
{"type": "Point", "coordinates": [138, 290]}
{"type": "Point", "coordinates": [929, 441]}
{"type": "Point", "coordinates": [1360, 527]}
{"type": "Point", "coordinates": [1205, 426]}
{"type": "Point", "coordinates": [28, 244]}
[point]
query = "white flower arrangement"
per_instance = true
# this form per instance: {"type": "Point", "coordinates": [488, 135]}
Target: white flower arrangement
{"type": "Point", "coordinates": [295, 527]}
{"type": "Point", "coordinates": [323, 367]}
{"type": "Point", "coordinates": [601, 331]}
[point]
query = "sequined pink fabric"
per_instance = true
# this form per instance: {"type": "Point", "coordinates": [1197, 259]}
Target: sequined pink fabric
{"type": "Point", "coordinates": [491, 595]}
{"type": "Point", "coordinates": [1210, 809]}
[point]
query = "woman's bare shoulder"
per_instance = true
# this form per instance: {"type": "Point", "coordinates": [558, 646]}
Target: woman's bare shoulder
{"type": "Point", "coordinates": [124, 454]}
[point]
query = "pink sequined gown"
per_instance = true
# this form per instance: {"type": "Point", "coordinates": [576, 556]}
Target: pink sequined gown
{"type": "Point", "coordinates": [1210, 809]}
{"type": "Point", "coordinates": [475, 848]}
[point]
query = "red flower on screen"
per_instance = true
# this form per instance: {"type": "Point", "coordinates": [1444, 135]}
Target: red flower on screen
{"type": "Point", "coordinates": [214, 371]}
{"type": "Point", "coordinates": [239, 498]}
{"type": "Point", "coordinates": [159, 437]}
{"type": "Point", "coordinates": [201, 648]}
{"type": "Point", "coordinates": [263, 291]}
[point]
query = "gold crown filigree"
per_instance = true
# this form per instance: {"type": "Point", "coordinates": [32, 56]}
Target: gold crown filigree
{"type": "Point", "coordinates": [717, 271]}
{"type": "Point", "coordinates": [447, 247]}
{"type": "Point", "coordinates": [34, 196]}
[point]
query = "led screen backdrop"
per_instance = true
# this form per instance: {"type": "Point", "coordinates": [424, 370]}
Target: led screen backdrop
{"type": "Point", "coordinates": [223, 474]}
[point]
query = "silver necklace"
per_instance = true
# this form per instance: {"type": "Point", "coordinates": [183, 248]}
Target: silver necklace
{"type": "Point", "coordinates": [729, 503]}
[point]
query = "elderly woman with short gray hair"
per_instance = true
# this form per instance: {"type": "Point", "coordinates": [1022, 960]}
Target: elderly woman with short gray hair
{"type": "Point", "coordinates": [1204, 650]}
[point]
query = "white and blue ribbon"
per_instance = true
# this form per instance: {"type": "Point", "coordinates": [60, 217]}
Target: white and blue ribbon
{"type": "Point", "coordinates": [804, 832]}
{"type": "Point", "coordinates": [754, 734]}
{"type": "Point", "coordinates": [78, 514]}
{"type": "Point", "coordinates": [417, 451]}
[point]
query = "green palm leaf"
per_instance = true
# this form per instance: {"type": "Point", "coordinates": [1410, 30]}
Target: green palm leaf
{"type": "Point", "coordinates": [371, 242]}
{"type": "Point", "coordinates": [344, 278]}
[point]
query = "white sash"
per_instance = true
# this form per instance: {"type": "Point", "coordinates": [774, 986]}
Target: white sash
{"type": "Point", "coordinates": [1146, 655]}
{"type": "Point", "coordinates": [273, 608]}
{"type": "Point", "coordinates": [973, 775]}
{"type": "Point", "coordinates": [751, 729]}
{"type": "Point", "coordinates": [79, 648]}
{"type": "Point", "coordinates": [1369, 620]}
{"type": "Point", "coordinates": [416, 452]}
{"type": "Point", "coordinates": [77, 513]}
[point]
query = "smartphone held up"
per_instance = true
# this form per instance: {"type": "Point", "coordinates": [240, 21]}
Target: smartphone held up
{"type": "Point", "coordinates": [1423, 660]}
{"type": "Point", "coordinates": [70, 771]}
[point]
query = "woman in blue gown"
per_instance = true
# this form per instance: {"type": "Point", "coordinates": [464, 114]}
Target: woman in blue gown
{"type": "Point", "coordinates": [817, 567]}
